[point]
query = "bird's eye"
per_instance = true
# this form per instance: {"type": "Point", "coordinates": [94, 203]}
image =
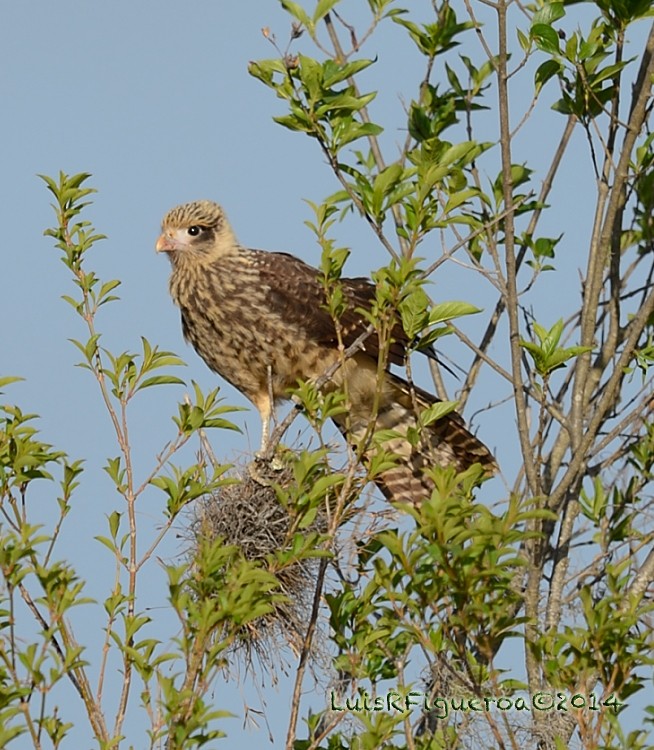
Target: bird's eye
{"type": "Point", "coordinates": [194, 231]}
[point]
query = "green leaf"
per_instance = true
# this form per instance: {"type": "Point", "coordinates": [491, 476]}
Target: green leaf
{"type": "Point", "coordinates": [334, 73]}
{"type": "Point", "coordinates": [295, 122]}
{"type": "Point", "coordinates": [384, 182]}
{"type": "Point", "coordinates": [445, 311]}
{"type": "Point", "coordinates": [457, 152]}
{"type": "Point", "coordinates": [546, 38]}
{"type": "Point", "coordinates": [298, 12]}
{"type": "Point", "coordinates": [160, 380]}
{"type": "Point", "coordinates": [454, 200]}
{"type": "Point", "coordinates": [8, 379]}
{"type": "Point", "coordinates": [413, 310]}
{"type": "Point", "coordinates": [524, 41]}
{"type": "Point", "coordinates": [360, 131]}
{"type": "Point", "coordinates": [437, 411]}
{"type": "Point", "coordinates": [548, 14]}
{"type": "Point", "coordinates": [264, 71]}
{"type": "Point", "coordinates": [114, 523]}
{"type": "Point", "coordinates": [520, 175]}
{"type": "Point", "coordinates": [545, 71]}
{"type": "Point", "coordinates": [322, 9]}
{"type": "Point", "coordinates": [543, 247]}
{"type": "Point", "coordinates": [547, 355]}
{"type": "Point", "coordinates": [308, 518]}
{"type": "Point", "coordinates": [344, 103]}
{"type": "Point", "coordinates": [610, 71]}
{"type": "Point", "coordinates": [89, 349]}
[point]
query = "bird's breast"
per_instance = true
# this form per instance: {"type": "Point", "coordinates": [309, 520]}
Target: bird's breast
{"type": "Point", "coordinates": [228, 318]}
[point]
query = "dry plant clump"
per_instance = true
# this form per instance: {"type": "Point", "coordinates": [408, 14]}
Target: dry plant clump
{"type": "Point", "coordinates": [249, 515]}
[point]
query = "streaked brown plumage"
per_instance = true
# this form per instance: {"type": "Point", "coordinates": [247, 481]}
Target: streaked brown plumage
{"type": "Point", "coordinates": [258, 319]}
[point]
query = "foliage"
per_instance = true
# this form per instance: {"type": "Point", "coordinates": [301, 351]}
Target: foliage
{"type": "Point", "coordinates": [568, 564]}
{"type": "Point", "coordinates": [550, 574]}
{"type": "Point", "coordinates": [49, 588]}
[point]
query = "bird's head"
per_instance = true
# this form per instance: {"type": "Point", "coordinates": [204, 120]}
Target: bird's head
{"type": "Point", "coordinates": [197, 230]}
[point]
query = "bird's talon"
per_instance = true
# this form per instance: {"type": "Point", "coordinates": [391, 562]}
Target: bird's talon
{"type": "Point", "coordinates": [255, 474]}
{"type": "Point", "coordinates": [276, 464]}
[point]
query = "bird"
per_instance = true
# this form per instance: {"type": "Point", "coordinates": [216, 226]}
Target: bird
{"type": "Point", "coordinates": [259, 319]}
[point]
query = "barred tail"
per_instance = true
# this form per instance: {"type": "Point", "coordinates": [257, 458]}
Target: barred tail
{"type": "Point", "coordinates": [445, 442]}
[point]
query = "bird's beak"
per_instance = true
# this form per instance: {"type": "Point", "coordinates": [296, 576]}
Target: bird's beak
{"type": "Point", "coordinates": [165, 244]}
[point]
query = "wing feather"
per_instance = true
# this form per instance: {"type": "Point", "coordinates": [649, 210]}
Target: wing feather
{"type": "Point", "coordinates": [294, 290]}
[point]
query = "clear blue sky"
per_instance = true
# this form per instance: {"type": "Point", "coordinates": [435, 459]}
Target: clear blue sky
{"type": "Point", "coordinates": [154, 99]}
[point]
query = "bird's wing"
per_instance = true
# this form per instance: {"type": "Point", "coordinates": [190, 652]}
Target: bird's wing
{"type": "Point", "coordinates": [296, 293]}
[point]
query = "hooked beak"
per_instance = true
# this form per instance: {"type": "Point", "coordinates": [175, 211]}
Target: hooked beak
{"type": "Point", "coordinates": [166, 244]}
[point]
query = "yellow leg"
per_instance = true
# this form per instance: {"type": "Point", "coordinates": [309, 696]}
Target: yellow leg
{"type": "Point", "coordinates": [265, 409]}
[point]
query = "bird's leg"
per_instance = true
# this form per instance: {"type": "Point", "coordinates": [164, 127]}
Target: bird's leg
{"type": "Point", "coordinates": [264, 403]}
{"type": "Point", "coordinates": [265, 434]}
{"type": "Point", "coordinates": [257, 467]}
{"type": "Point", "coordinates": [262, 464]}
{"type": "Point", "coordinates": [270, 410]}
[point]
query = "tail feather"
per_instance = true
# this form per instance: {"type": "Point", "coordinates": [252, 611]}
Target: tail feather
{"type": "Point", "coordinates": [445, 442]}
